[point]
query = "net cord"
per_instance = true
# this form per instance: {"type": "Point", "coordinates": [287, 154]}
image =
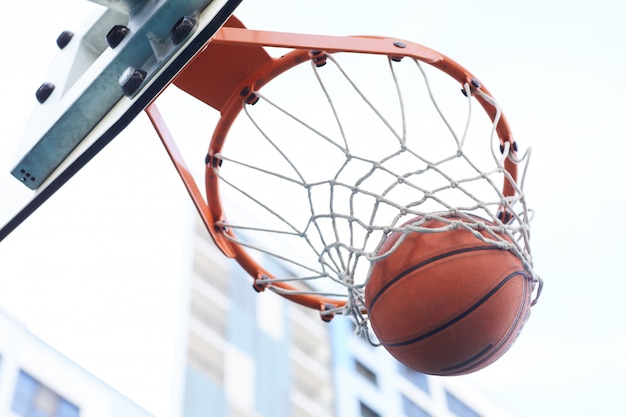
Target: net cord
{"type": "Point", "coordinates": [334, 265]}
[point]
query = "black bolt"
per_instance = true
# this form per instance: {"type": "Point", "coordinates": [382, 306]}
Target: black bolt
{"type": "Point", "coordinates": [319, 58]}
{"type": "Point", "coordinates": [64, 38]}
{"type": "Point", "coordinates": [26, 176]}
{"type": "Point", "coordinates": [401, 45]}
{"type": "Point", "coordinates": [44, 92]}
{"type": "Point", "coordinates": [215, 162]}
{"type": "Point", "coordinates": [504, 216]}
{"type": "Point", "coordinates": [327, 317]}
{"type": "Point", "coordinates": [131, 79]}
{"type": "Point", "coordinates": [116, 35]}
{"type": "Point", "coordinates": [182, 29]}
{"type": "Point", "coordinates": [252, 99]}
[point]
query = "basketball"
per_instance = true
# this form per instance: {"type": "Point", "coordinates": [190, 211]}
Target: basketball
{"type": "Point", "coordinates": [447, 303]}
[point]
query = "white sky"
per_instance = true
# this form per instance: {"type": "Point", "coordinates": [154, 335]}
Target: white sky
{"type": "Point", "coordinates": [93, 271]}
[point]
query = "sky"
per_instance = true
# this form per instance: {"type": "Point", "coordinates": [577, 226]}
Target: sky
{"type": "Point", "coordinates": [93, 271]}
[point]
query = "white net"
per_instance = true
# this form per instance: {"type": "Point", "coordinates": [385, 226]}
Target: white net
{"type": "Point", "coordinates": [332, 159]}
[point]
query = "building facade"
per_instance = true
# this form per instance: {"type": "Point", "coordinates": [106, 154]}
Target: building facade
{"type": "Point", "coordinates": [372, 383]}
{"type": "Point", "coordinates": [38, 381]}
{"type": "Point", "coordinates": [250, 354]}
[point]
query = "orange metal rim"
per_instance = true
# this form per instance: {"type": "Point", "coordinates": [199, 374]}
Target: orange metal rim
{"type": "Point", "coordinates": [244, 93]}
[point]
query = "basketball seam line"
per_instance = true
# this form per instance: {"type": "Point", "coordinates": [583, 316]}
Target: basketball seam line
{"type": "Point", "coordinates": [469, 361]}
{"type": "Point", "coordinates": [518, 317]}
{"type": "Point", "coordinates": [424, 263]}
{"type": "Point", "coordinates": [459, 317]}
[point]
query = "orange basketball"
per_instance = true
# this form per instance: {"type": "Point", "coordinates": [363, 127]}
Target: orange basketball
{"type": "Point", "coordinates": [447, 303]}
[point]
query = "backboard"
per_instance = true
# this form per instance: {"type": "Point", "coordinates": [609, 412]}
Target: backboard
{"type": "Point", "coordinates": [104, 74]}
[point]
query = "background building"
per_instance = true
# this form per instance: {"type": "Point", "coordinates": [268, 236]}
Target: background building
{"type": "Point", "coordinates": [250, 354]}
{"type": "Point", "coordinates": [238, 354]}
{"type": "Point", "coordinates": [371, 383]}
{"type": "Point", "coordinates": [38, 381]}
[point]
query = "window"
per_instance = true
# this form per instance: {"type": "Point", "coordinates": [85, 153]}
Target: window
{"type": "Point", "coordinates": [418, 379]}
{"type": "Point", "coordinates": [365, 372]}
{"type": "Point", "coordinates": [411, 409]}
{"type": "Point", "coordinates": [367, 412]}
{"type": "Point", "coordinates": [459, 408]}
{"type": "Point", "coordinates": [33, 399]}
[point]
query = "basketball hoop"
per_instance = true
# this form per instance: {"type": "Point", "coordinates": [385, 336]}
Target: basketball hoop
{"type": "Point", "coordinates": [336, 145]}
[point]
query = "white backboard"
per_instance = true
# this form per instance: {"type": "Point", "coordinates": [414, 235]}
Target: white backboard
{"type": "Point", "coordinates": [105, 72]}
